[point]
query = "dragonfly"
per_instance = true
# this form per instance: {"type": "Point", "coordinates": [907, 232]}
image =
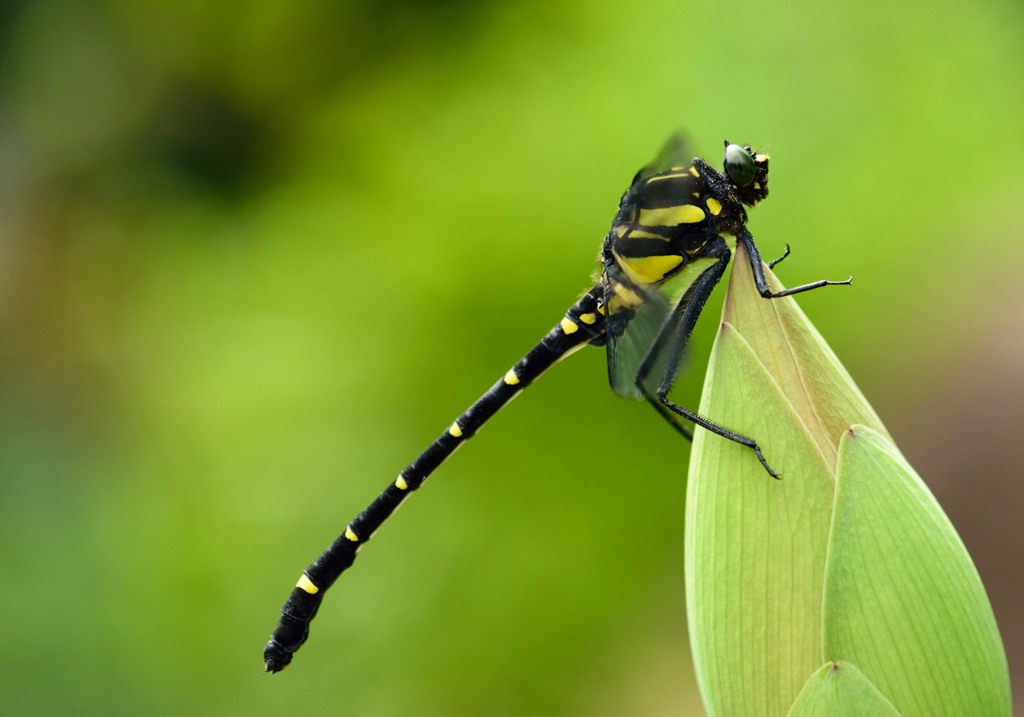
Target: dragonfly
{"type": "Point", "coordinates": [676, 214]}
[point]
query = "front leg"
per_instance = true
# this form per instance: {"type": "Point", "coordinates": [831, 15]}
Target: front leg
{"type": "Point", "coordinates": [757, 267]}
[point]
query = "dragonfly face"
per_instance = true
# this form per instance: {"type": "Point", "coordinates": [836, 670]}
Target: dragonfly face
{"type": "Point", "coordinates": [747, 172]}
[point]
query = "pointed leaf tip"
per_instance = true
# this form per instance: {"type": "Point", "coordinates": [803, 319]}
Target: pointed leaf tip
{"type": "Point", "coordinates": [839, 689]}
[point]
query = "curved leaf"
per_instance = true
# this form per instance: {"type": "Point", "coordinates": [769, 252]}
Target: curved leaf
{"type": "Point", "coordinates": [902, 598]}
{"type": "Point", "coordinates": [759, 551]}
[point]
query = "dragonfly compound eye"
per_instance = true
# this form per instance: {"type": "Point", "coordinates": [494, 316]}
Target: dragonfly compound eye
{"type": "Point", "coordinates": [739, 165]}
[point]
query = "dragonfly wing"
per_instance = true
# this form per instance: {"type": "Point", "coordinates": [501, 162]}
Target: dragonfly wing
{"type": "Point", "coordinates": [636, 317]}
{"type": "Point", "coordinates": [675, 153]}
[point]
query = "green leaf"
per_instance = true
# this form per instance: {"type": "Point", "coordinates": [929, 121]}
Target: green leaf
{"type": "Point", "coordinates": [762, 617]}
{"type": "Point", "coordinates": [902, 598]}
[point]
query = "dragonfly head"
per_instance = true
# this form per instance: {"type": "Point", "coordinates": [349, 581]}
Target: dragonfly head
{"type": "Point", "coordinates": [747, 171]}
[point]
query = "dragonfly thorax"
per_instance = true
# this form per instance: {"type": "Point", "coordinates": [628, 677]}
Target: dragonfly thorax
{"type": "Point", "coordinates": [665, 220]}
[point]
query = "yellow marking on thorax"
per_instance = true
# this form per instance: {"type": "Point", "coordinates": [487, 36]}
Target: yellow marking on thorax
{"type": "Point", "coordinates": [455, 431]}
{"type": "Point", "coordinates": [307, 585]}
{"type": "Point", "coordinates": [640, 234]}
{"type": "Point", "coordinates": [694, 172]}
{"type": "Point", "coordinates": [714, 206]}
{"type": "Point", "coordinates": [351, 535]}
{"type": "Point", "coordinates": [510, 378]}
{"type": "Point", "coordinates": [671, 216]}
{"type": "Point", "coordinates": [588, 319]}
{"type": "Point", "coordinates": [669, 176]}
{"type": "Point", "coordinates": [401, 484]}
{"type": "Point", "coordinates": [568, 326]}
{"type": "Point", "coordinates": [649, 269]}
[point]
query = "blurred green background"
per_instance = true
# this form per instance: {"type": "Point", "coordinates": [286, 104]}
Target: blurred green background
{"type": "Point", "coordinates": [254, 257]}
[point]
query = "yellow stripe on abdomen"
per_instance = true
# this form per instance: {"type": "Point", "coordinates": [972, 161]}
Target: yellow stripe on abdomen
{"type": "Point", "coordinates": [307, 585]}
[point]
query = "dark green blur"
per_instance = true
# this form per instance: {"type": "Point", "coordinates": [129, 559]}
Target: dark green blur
{"type": "Point", "coordinates": [254, 257]}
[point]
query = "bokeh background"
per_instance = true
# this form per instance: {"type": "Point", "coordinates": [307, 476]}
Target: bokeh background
{"type": "Point", "coordinates": [255, 256]}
